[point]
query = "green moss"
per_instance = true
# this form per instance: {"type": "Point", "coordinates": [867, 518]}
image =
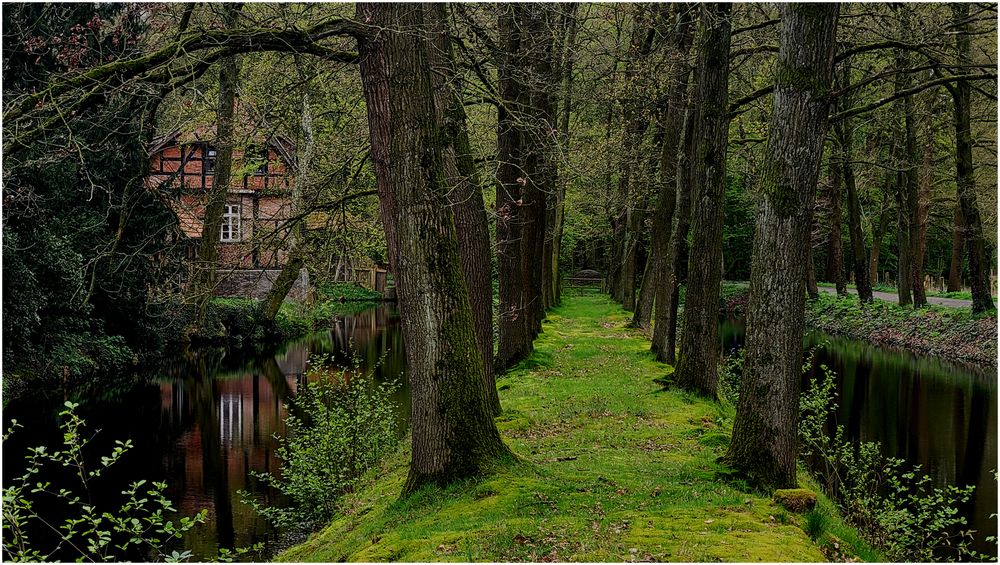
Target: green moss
{"type": "Point", "coordinates": [796, 499]}
{"type": "Point", "coordinates": [614, 469]}
{"type": "Point", "coordinates": [802, 78]}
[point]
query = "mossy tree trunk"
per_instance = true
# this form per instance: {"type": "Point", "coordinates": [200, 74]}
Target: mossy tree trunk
{"type": "Point", "coordinates": [764, 444]}
{"type": "Point", "coordinates": [465, 194]}
{"type": "Point", "coordinates": [453, 432]}
{"type": "Point", "coordinates": [697, 368]}
{"type": "Point", "coordinates": [979, 277]}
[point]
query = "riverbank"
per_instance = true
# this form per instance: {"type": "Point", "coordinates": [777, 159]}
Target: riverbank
{"type": "Point", "coordinates": [953, 334]}
{"type": "Point", "coordinates": [239, 323]}
{"type": "Point", "coordinates": [615, 469]}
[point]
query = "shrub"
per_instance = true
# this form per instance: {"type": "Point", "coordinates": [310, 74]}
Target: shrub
{"type": "Point", "coordinates": [339, 426]}
{"type": "Point", "coordinates": [895, 507]}
{"type": "Point", "coordinates": [730, 373]}
{"type": "Point", "coordinates": [89, 533]}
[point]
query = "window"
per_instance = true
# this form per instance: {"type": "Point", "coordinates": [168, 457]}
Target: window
{"type": "Point", "coordinates": [230, 223]}
{"type": "Point", "coordinates": [209, 161]}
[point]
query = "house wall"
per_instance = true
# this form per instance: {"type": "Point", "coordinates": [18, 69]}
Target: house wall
{"type": "Point", "coordinates": [179, 172]}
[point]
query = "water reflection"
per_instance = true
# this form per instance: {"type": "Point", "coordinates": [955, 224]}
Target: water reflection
{"type": "Point", "coordinates": [210, 419]}
{"type": "Point", "coordinates": [939, 415]}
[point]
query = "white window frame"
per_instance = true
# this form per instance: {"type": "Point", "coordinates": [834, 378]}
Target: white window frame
{"type": "Point", "coordinates": [230, 228]}
{"type": "Point", "coordinates": [210, 156]}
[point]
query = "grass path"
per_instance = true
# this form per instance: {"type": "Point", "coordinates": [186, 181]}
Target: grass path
{"type": "Point", "coordinates": [615, 469]}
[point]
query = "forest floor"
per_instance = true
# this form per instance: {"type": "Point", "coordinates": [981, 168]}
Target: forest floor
{"type": "Point", "coordinates": [614, 468]}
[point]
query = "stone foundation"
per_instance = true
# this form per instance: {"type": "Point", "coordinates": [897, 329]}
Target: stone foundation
{"type": "Point", "coordinates": [256, 283]}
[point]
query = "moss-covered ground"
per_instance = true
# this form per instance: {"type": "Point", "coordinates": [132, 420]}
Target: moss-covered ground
{"type": "Point", "coordinates": [614, 469]}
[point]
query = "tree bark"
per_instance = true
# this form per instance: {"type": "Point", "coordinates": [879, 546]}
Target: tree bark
{"type": "Point", "coordinates": [658, 264]}
{"type": "Point", "coordinates": [664, 343]}
{"type": "Point", "coordinates": [697, 368]}
{"type": "Point", "coordinates": [764, 445]}
{"type": "Point", "coordinates": [453, 433]}
{"type": "Point", "coordinates": [465, 194]}
{"type": "Point", "coordinates": [877, 237]}
{"type": "Point", "coordinates": [957, 244]}
{"type": "Point", "coordinates": [979, 277]}
{"type": "Point", "coordinates": [203, 284]}
{"type": "Point", "coordinates": [540, 186]}
{"type": "Point", "coordinates": [835, 250]}
{"type": "Point", "coordinates": [843, 155]}
{"type": "Point", "coordinates": [812, 288]}
{"type": "Point", "coordinates": [514, 340]}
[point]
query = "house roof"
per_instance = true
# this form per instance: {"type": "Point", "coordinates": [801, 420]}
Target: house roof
{"type": "Point", "coordinates": [189, 222]}
{"type": "Point", "coordinates": [251, 126]}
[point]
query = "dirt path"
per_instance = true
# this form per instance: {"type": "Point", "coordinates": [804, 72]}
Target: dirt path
{"type": "Point", "coordinates": [892, 297]}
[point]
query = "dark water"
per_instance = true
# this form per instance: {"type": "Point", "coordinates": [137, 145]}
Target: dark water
{"type": "Point", "coordinates": [205, 422]}
{"type": "Point", "coordinates": [940, 415]}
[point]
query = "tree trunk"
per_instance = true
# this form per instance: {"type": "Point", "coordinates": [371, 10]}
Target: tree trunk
{"type": "Point", "coordinates": [567, 103]}
{"type": "Point", "coordinates": [669, 186]}
{"type": "Point", "coordinates": [979, 277]}
{"type": "Point", "coordinates": [905, 185]}
{"type": "Point", "coordinates": [877, 237]}
{"type": "Point", "coordinates": [835, 251]}
{"type": "Point", "coordinates": [957, 243]}
{"type": "Point", "coordinates": [664, 343]}
{"type": "Point", "coordinates": [295, 260]}
{"type": "Point", "coordinates": [812, 289]}
{"type": "Point", "coordinates": [650, 273]}
{"type": "Point", "coordinates": [636, 123]}
{"type": "Point", "coordinates": [453, 433]}
{"type": "Point", "coordinates": [910, 183]}
{"type": "Point", "coordinates": [697, 368]}
{"type": "Point", "coordinates": [540, 165]}
{"type": "Point", "coordinates": [764, 445]}
{"type": "Point", "coordinates": [514, 340]}
{"type": "Point", "coordinates": [843, 155]}
{"type": "Point", "coordinates": [203, 283]}
{"type": "Point", "coordinates": [926, 180]}
{"type": "Point", "coordinates": [465, 194]}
